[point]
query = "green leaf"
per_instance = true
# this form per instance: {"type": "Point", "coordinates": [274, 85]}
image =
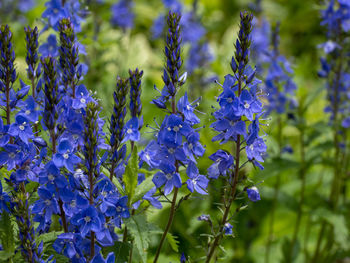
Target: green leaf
{"type": "Point", "coordinates": [139, 230]}
{"type": "Point", "coordinates": [142, 189]}
{"type": "Point", "coordinates": [48, 237]}
{"type": "Point", "coordinates": [131, 174]}
{"type": "Point", "coordinates": [7, 235]}
{"type": "Point", "coordinates": [119, 186]}
{"type": "Point", "coordinates": [121, 251]}
{"type": "Point", "coordinates": [173, 242]}
{"type": "Point", "coordinates": [4, 256]}
{"type": "Point", "coordinates": [114, 180]}
{"type": "Point", "coordinates": [31, 186]}
{"type": "Point", "coordinates": [340, 230]}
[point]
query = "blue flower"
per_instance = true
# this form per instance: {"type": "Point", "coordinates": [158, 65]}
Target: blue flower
{"type": "Point", "coordinates": [228, 229]}
{"type": "Point", "coordinates": [82, 98]}
{"type": "Point", "coordinates": [170, 155]}
{"type": "Point", "coordinates": [256, 150]}
{"type": "Point", "coordinates": [49, 48]}
{"type": "Point", "coordinates": [248, 105]}
{"type": "Point", "coordinates": [131, 130]}
{"type": "Point", "coordinates": [68, 244]}
{"type": "Point", "coordinates": [158, 26]}
{"type": "Point", "coordinates": [99, 259]}
{"type": "Point", "coordinates": [12, 156]}
{"type": "Point", "coordinates": [65, 156]}
{"type": "Point", "coordinates": [55, 12]}
{"type": "Point", "coordinates": [4, 137]}
{"type": "Point", "coordinates": [192, 31]}
{"type": "Point", "coordinates": [87, 220]}
{"type": "Point", "coordinates": [172, 130]}
{"type": "Point", "coordinates": [119, 210]}
{"type": "Point", "coordinates": [29, 111]}
{"type": "Point", "coordinates": [122, 14]}
{"type": "Point", "coordinates": [168, 176]}
{"type": "Point", "coordinates": [21, 129]}
{"type": "Point", "coordinates": [253, 194]}
{"type": "Point", "coordinates": [149, 154]}
{"type": "Point", "coordinates": [46, 205]}
{"type": "Point", "coordinates": [187, 109]}
{"type": "Point", "coordinates": [197, 182]}
{"type": "Point", "coordinates": [222, 162]}
{"type": "Point", "coordinates": [192, 147]}
{"type": "Point", "coordinates": [72, 202]}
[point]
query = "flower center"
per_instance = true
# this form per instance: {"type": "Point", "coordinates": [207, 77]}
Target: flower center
{"type": "Point", "coordinates": [188, 107]}
{"type": "Point", "coordinates": [171, 150]}
{"type": "Point", "coordinates": [12, 155]}
{"type": "Point", "coordinates": [82, 100]}
{"type": "Point", "coordinates": [73, 204]}
{"type": "Point", "coordinates": [65, 156]}
{"type": "Point", "coordinates": [246, 105]}
{"type": "Point", "coordinates": [50, 177]}
{"type": "Point", "coordinates": [118, 208]}
{"type": "Point", "coordinates": [251, 147]}
{"type": "Point", "coordinates": [87, 219]}
{"type": "Point", "coordinates": [169, 176]}
{"type": "Point", "coordinates": [27, 112]}
{"type": "Point", "coordinates": [148, 157]}
{"type": "Point", "coordinates": [48, 202]}
{"type": "Point", "coordinates": [129, 131]}
{"type": "Point", "coordinates": [176, 128]}
{"type": "Point", "coordinates": [21, 127]}
{"type": "Point", "coordinates": [229, 100]}
{"type": "Point", "coordinates": [190, 146]}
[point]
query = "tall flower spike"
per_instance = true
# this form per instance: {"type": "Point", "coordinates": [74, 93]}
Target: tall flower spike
{"type": "Point", "coordinates": [32, 53]}
{"type": "Point", "coordinates": [50, 114]}
{"type": "Point", "coordinates": [117, 123]}
{"type": "Point", "coordinates": [173, 53]}
{"type": "Point", "coordinates": [135, 93]}
{"type": "Point", "coordinates": [239, 105]}
{"type": "Point", "coordinates": [8, 73]}
{"type": "Point", "coordinates": [278, 83]}
{"type": "Point", "coordinates": [69, 55]}
{"type": "Point", "coordinates": [90, 150]}
{"type": "Point", "coordinates": [173, 60]}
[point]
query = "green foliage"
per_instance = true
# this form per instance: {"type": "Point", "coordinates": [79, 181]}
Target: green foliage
{"type": "Point", "coordinates": [7, 236]}
{"type": "Point", "coordinates": [139, 229]}
{"type": "Point", "coordinates": [142, 189]}
{"type": "Point", "coordinates": [130, 176]}
{"type": "Point", "coordinates": [121, 251]}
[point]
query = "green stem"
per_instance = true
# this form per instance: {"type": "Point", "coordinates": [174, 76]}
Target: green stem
{"type": "Point", "coordinates": [335, 187]}
{"type": "Point", "coordinates": [233, 189]}
{"type": "Point", "coordinates": [173, 202]}
{"type": "Point", "coordinates": [170, 221]}
{"type": "Point", "coordinates": [275, 196]}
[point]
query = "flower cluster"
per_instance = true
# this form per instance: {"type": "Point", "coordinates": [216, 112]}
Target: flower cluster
{"type": "Point", "coordinates": [279, 85]}
{"type": "Point", "coordinates": [122, 14]}
{"type": "Point", "coordinates": [237, 119]}
{"type": "Point", "coordinates": [177, 142]}
{"type": "Point", "coordinates": [193, 33]}
{"type": "Point", "coordinates": [71, 188]}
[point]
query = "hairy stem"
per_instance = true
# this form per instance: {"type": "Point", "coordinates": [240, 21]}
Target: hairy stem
{"type": "Point", "coordinates": [234, 177]}
{"type": "Point", "coordinates": [302, 173]}
{"type": "Point", "coordinates": [276, 192]}
{"type": "Point", "coordinates": [173, 202]}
